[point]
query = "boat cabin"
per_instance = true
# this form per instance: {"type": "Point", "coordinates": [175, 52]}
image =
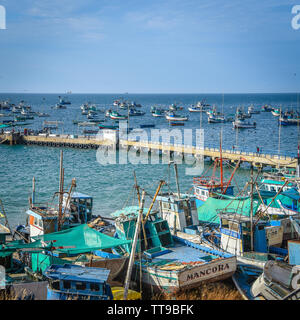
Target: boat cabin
{"type": "Point", "coordinates": [155, 235]}
{"type": "Point", "coordinates": [274, 185]}
{"type": "Point", "coordinates": [236, 234]}
{"type": "Point", "coordinates": [205, 187]}
{"type": "Point", "coordinates": [75, 282]}
{"type": "Point", "coordinates": [181, 214]}
{"type": "Point", "coordinates": [43, 219]}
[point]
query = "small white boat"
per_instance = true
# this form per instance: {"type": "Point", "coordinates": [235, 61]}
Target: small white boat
{"type": "Point", "coordinates": [43, 115]}
{"type": "Point", "coordinates": [195, 109]}
{"type": "Point", "coordinates": [215, 118]}
{"type": "Point", "coordinates": [242, 124]}
{"type": "Point", "coordinates": [59, 106]}
{"type": "Point", "coordinates": [171, 116]}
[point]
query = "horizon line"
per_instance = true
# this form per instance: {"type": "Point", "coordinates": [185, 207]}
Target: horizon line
{"type": "Point", "coordinates": [136, 93]}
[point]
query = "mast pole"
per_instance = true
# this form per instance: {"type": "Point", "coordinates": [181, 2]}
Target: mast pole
{"type": "Point", "coordinates": [221, 162]}
{"type": "Point", "coordinates": [133, 248]}
{"type": "Point", "coordinates": [137, 188]}
{"type": "Point", "coordinates": [251, 208]}
{"type": "Point", "coordinates": [177, 181]}
{"type": "Point", "coordinates": [61, 187]}
{"type": "Point", "coordinates": [33, 191]}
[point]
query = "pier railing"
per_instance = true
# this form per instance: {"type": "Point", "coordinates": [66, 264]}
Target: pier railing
{"type": "Point", "coordinates": [84, 142]}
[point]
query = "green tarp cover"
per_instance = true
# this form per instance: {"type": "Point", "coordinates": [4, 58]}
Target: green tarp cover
{"type": "Point", "coordinates": [133, 210]}
{"type": "Point", "coordinates": [212, 207]}
{"type": "Point", "coordinates": [80, 239]}
{"type": "Point", "coordinates": [74, 240]}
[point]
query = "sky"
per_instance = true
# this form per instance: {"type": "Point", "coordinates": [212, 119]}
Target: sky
{"type": "Point", "coordinates": [149, 46]}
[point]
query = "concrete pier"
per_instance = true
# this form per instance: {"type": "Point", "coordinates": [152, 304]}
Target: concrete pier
{"type": "Point", "coordinates": [81, 142]}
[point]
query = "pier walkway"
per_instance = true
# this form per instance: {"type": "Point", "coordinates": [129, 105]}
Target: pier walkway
{"type": "Point", "coordinates": [83, 142]}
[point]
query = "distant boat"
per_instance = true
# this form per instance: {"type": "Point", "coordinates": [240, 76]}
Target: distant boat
{"type": "Point", "coordinates": [43, 115]}
{"type": "Point", "coordinates": [111, 127]}
{"type": "Point", "coordinates": [267, 108]}
{"type": "Point", "coordinates": [251, 110]}
{"type": "Point", "coordinates": [276, 112]}
{"type": "Point", "coordinates": [196, 109]}
{"type": "Point", "coordinates": [134, 113]}
{"type": "Point", "coordinates": [116, 116]}
{"type": "Point", "coordinates": [158, 113]}
{"type": "Point", "coordinates": [171, 116]}
{"type": "Point", "coordinates": [215, 118]}
{"type": "Point", "coordinates": [59, 106]}
{"type": "Point", "coordinates": [242, 124]}
{"type": "Point", "coordinates": [62, 101]}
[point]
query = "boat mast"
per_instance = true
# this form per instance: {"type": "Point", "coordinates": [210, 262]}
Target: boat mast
{"type": "Point", "coordinates": [177, 181]}
{"type": "Point", "coordinates": [221, 162]}
{"type": "Point", "coordinates": [279, 133]}
{"type": "Point", "coordinates": [33, 192]}
{"type": "Point", "coordinates": [137, 188]}
{"type": "Point", "coordinates": [133, 248]}
{"type": "Point", "coordinates": [61, 190]}
{"type": "Point", "coordinates": [251, 207]}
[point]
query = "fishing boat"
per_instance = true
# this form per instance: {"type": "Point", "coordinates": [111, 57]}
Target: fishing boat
{"type": "Point", "coordinates": [235, 237]}
{"type": "Point", "coordinates": [197, 108]}
{"type": "Point", "coordinates": [251, 110]}
{"type": "Point", "coordinates": [276, 112]}
{"type": "Point", "coordinates": [266, 108]}
{"type": "Point", "coordinates": [173, 107]}
{"type": "Point", "coordinates": [59, 106]}
{"type": "Point", "coordinates": [68, 282]}
{"type": "Point", "coordinates": [116, 116]}
{"type": "Point", "coordinates": [171, 116]}
{"type": "Point", "coordinates": [134, 112]}
{"type": "Point", "coordinates": [158, 113]}
{"type": "Point", "coordinates": [62, 101]}
{"type": "Point", "coordinates": [288, 120]}
{"type": "Point", "coordinates": [242, 124]}
{"type": "Point", "coordinates": [87, 124]}
{"type": "Point", "coordinates": [72, 282]}
{"type": "Point", "coordinates": [278, 280]}
{"type": "Point", "coordinates": [106, 126]}
{"type": "Point", "coordinates": [169, 262]}
{"type": "Point", "coordinates": [212, 118]}
{"type": "Point", "coordinates": [43, 115]}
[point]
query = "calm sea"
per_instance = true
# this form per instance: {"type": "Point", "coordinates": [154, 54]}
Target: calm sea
{"type": "Point", "coordinates": [112, 185]}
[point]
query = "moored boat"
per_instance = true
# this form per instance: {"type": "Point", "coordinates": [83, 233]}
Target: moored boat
{"type": "Point", "coordinates": [170, 263]}
{"type": "Point", "coordinates": [171, 116]}
{"type": "Point", "coordinates": [242, 124]}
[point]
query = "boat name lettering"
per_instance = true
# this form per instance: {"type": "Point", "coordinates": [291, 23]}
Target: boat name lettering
{"type": "Point", "coordinates": [208, 271]}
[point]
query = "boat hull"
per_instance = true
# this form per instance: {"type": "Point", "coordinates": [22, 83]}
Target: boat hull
{"type": "Point", "coordinates": [187, 278]}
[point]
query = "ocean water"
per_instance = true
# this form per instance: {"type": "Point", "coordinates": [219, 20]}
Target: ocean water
{"type": "Point", "coordinates": [112, 186]}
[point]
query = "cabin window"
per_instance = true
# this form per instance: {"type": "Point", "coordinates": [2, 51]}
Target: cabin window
{"type": "Point", "coordinates": [94, 287]}
{"type": "Point", "coordinates": [166, 205]}
{"type": "Point", "coordinates": [80, 286]}
{"type": "Point", "coordinates": [40, 223]}
{"type": "Point", "coordinates": [193, 204]}
{"type": "Point", "coordinates": [67, 284]}
{"type": "Point", "coordinates": [203, 193]}
{"type": "Point", "coordinates": [234, 226]}
{"type": "Point", "coordinates": [36, 221]}
{"type": "Point", "coordinates": [55, 285]}
{"type": "Point", "coordinates": [225, 223]}
{"type": "Point", "coordinates": [272, 188]}
{"type": "Point", "coordinates": [89, 203]}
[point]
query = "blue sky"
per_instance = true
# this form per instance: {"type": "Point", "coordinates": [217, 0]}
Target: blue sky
{"type": "Point", "coordinates": [149, 46]}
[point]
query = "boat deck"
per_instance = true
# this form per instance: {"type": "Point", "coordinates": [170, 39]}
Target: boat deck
{"type": "Point", "coordinates": [184, 253]}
